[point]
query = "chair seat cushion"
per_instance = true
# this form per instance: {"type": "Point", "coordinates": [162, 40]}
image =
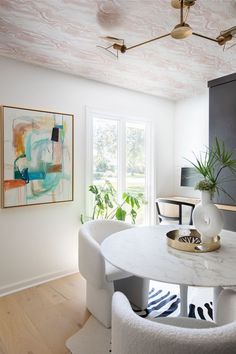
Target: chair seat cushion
{"type": "Point", "coordinates": [114, 273]}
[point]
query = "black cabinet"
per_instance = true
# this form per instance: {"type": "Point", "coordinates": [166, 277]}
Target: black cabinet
{"type": "Point", "coordinates": [222, 124]}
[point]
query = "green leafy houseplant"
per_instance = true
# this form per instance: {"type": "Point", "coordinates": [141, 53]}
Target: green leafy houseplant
{"type": "Point", "coordinates": [106, 205]}
{"type": "Point", "coordinates": [210, 165]}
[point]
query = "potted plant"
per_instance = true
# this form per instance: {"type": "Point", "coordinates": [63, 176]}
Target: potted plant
{"type": "Point", "coordinates": [210, 165]}
{"type": "Point", "coordinates": [106, 205]}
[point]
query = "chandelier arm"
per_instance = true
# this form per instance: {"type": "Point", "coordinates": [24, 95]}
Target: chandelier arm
{"type": "Point", "coordinates": [150, 40]}
{"type": "Point", "coordinates": [233, 45]}
{"type": "Point", "coordinates": [186, 14]}
{"type": "Point", "coordinates": [108, 50]}
{"type": "Point", "coordinates": [182, 12]}
{"type": "Point", "coordinates": [202, 36]}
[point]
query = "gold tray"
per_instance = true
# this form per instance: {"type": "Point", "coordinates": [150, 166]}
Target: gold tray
{"type": "Point", "coordinates": [189, 240]}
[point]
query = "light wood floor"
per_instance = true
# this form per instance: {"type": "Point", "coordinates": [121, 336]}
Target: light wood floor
{"type": "Point", "coordinates": [38, 320]}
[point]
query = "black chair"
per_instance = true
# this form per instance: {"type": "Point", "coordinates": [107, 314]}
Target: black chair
{"type": "Point", "coordinates": [177, 215]}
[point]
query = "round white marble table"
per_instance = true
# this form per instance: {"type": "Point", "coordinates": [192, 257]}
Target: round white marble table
{"type": "Point", "coordinates": [143, 251]}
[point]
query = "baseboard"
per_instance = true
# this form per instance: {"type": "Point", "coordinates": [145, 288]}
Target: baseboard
{"type": "Point", "coordinates": [28, 283]}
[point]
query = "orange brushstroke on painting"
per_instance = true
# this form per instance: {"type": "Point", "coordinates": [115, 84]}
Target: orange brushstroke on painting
{"type": "Point", "coordinates": [54, 168]}
{"type": "Point", "coordinates": [19, 144]}
{"type": "Point", "coordinates": [19, 131]}
{"type": "Point", "coordinates": [13, 183]}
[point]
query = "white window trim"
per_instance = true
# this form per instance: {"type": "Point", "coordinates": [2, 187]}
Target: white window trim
{"type": "Point", "coordinates": [150, 173]}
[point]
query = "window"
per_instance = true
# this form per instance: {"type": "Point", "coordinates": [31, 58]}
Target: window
{"type": "Point", "coordinates": [105, 151]}
{"type": "Point", "coordinates": [119, 150]}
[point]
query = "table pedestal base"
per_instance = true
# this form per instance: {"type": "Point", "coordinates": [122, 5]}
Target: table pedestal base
{"type": "Point", "coordinates": [183, 300]}
{"type": "Point", "coordinates": [216, 293]}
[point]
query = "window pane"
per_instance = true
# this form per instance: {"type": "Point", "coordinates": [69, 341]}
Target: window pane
{"type": "Point", "coordinates": [135, 158]}
{"type": "Point", "coordinates": [105, 151]}
{"type": "Point", "coordinates": [135, 162]}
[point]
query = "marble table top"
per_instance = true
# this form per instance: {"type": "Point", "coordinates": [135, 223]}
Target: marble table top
{"type": "Point", "coordinates": [143, 251]}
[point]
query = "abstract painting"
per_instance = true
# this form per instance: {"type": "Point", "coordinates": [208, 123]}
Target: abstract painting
{"type": "Point", "coordinates": [37, 157]}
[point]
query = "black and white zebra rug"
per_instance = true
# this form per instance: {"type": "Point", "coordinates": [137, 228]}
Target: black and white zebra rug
{"type": "Point", "coordinates": [164, 300]}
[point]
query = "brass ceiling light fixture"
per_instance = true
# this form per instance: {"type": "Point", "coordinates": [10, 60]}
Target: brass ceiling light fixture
{"type": "Point", "coordinates": [181, 31]}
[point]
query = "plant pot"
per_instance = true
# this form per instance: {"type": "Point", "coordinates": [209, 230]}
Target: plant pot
{"type": "Point", "coordinates": [207, 218]}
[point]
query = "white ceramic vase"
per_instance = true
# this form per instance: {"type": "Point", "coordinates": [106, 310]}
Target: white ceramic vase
{"type": "Point", "coordinates": [207, 218]}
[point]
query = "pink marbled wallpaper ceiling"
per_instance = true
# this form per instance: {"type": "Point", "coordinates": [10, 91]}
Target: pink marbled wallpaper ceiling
{"type": "Point", "coordinates": [64, 34]}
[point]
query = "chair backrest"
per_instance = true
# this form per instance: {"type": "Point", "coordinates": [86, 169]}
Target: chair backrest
{"type": "Point", "coordinates": [91, 235]}
{"type": "Point", "coordinates": [132, 334]}
{"type": "Point", "coordinates": [169, 210]}
{"type": "Point", "coordinates": [101, 229]}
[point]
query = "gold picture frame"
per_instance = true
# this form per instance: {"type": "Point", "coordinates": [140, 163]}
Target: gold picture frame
{"type": "Point", "coordinates": [37, 157]}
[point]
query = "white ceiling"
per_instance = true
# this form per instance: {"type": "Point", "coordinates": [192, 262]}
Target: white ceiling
{"type": "Point", "coordinates": [64, 34]}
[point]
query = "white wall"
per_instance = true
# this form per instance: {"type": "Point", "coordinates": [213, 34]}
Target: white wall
{"type": "Point", "coordinates": [191, 129]}
{"type": "Point", "coordinates": [40, 242]}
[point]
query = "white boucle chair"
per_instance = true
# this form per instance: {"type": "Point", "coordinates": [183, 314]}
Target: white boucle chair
{"type": "Point", "coordinates": [132, 334]}
{"type": "Point", "coordinates": [102, 277]}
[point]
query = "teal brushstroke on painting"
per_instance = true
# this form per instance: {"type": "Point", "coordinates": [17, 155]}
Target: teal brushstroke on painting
{"type": "Point", "coordinates": [30, 176]}
{"type": "Point", "coordinates": [49, 184]}
{"type": "Point", "coordinates": [40, 144]}
{"type": "Point", "coordinates": [17, 174]}
{"type": "Point", "coordinates": [21, 173]}
{"type": "Point", "coordinates": [51, 181]}
{"type": "Point", "coordinates": [36, 175]}
{"type": "Point", "coordinates": [28, 146]}
{"type": "Point", "coordinates": [62, 133]}
{"type": "Point", "coordinates": [39, 147]}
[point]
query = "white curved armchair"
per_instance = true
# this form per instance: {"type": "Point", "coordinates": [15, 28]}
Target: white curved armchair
{"type": "Point", "coordinates": [103, 278]}
{"type": "Point", "coordinates": [132, 334]}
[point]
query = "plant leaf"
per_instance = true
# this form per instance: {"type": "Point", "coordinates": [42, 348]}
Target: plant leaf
{"type": "Point", "coordinates": [93, 189]}
{"type": "Point", "coordinates": [133, 215]}
{"type": "Point", "coordinates": [120, 214]}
